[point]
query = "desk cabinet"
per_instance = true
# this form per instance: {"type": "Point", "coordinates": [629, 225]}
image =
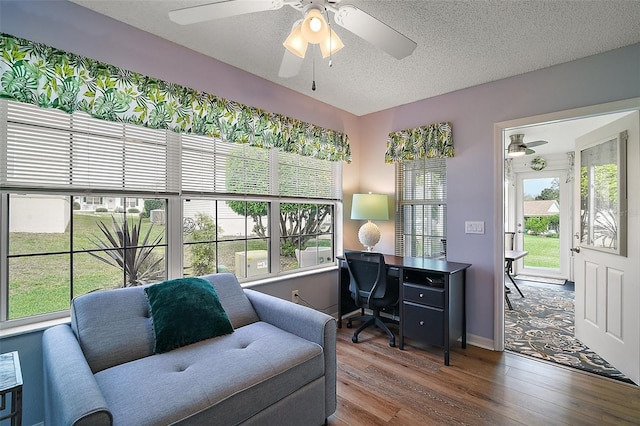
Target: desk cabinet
{"type": "Point", "coordinates": [433, 308]}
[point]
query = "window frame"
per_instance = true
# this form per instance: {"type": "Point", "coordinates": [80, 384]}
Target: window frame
{"type": "Point", "coordinates": [174, 195]}
{"type": "Point", "coordinates": [436, 249]}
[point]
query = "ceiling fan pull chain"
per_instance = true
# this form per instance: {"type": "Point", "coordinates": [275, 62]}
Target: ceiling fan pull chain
{"type": "Point", "coordinates": [326, 14]}
{"type": "Point", "coordinates": [313, 85]}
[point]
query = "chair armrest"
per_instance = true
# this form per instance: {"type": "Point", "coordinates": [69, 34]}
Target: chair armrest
{"type": "Point", "coordinates": [72, 395]}
{"type": "Point", "coordinates": [307, 323]}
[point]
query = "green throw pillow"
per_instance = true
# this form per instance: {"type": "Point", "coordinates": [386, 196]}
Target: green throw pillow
{"type": "Point", "coordinates": [185, 311]}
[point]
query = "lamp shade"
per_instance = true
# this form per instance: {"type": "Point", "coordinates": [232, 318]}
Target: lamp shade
{"type": "Point", "coordinates": [296, 43]}
{"type": "Point", "coordinates": [370, 207]}
{"type": "Point", "coordinates": [314, 27]}
{"type": "Point", "coordinates": [331, 44]}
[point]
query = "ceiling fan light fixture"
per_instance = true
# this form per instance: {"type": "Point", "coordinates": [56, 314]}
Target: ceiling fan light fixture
{"type": "Point", "coordinates": [517, 146]}
{"type": "Point", "coordinates": [296, 43]}
{"type": "Point", "coordinates": [314, 27]}
{"type": "Point", "coordinates": [330, 45]}
{"type": "Point", "coordinates": [515, 150]}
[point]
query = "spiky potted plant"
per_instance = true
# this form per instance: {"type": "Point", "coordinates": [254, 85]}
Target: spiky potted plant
{"type": "Point", "coordinates": [125, 247]}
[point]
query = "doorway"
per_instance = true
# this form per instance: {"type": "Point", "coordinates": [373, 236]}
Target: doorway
{"type": "Point", "coordinates": [542, 218]}
{"type": "Point", "coordinates": [523, 183]}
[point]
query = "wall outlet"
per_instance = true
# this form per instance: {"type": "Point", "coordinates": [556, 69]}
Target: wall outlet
{"type": "Point", "coordinates": [295, 296]}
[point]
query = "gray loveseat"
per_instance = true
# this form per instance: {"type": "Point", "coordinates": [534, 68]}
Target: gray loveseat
{"type": "Point", "coordinates": [278, 367]}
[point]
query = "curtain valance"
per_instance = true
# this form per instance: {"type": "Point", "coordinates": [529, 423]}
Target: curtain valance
{"type": "Point", "coordinates": [50, 78]}
{"type": "Point", "coordinates": [432, 141]}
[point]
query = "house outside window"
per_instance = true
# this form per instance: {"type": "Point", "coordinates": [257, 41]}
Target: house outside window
{"type": "Point", "coordinates": [255, 212]}
{"type": "Point", "coordinates": [421, 191]}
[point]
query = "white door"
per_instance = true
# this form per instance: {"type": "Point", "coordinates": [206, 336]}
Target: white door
{"type": "Point", "coordinates": [607, 243]}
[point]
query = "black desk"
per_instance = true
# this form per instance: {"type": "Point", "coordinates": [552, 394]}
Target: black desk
{"type": "Point", "coordinates": [432, 299]}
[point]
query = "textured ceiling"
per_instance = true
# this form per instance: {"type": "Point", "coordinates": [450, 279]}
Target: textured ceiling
{"type": "Point", "coordinates": [460, 43]}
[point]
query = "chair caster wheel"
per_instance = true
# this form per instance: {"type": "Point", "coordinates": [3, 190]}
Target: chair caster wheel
{"type": "Point", "coordinates": [392, 344]}
{"type": "Point", "coordinates": [349, 325]}
{"type": "Point", "coordinates": [354, 339]}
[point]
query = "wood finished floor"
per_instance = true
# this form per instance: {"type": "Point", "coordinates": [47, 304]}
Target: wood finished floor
{"type": "Point", "coordinates": [380, 385]}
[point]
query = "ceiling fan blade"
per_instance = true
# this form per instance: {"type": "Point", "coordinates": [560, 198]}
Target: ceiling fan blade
{"type": "Point", "coordinates": [223, 9]}
{"type": "Point", "coordinates": [529, 151]}
{"type": "Point", "coordinates": [290, 65]}
{"type": "Point", "coordinates": [374, 31]}
{"type": "Point", "coordinates": [536, 143]}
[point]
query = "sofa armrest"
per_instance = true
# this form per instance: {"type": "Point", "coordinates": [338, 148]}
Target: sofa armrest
{"type": "Point", "coordinates": [72, 395]}
{"type": "Point", "coordinates": [307, 323]}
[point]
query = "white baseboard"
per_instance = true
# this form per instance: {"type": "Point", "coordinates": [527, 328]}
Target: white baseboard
{"type": "Point", "coordinates": [481, 342]}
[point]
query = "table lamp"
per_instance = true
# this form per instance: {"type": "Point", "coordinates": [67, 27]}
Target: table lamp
{"type": "Point", "coordinates": [369, 207]}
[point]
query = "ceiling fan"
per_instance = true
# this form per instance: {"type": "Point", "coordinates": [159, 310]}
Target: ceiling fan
{"type": "Point", "coordinates": [517, 146]}
{"type": "Point", "coordinates": [312, 28]}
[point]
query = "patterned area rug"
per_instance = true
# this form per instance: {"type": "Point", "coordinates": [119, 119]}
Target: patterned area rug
{"type": "Point", "coordinates": [542, 326]}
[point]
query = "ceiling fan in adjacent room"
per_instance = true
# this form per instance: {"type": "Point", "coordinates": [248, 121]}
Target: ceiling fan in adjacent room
{"type": "Point", "coordinates": [313, 28]}
{"type": "Point", "coordinates": [517, 147]}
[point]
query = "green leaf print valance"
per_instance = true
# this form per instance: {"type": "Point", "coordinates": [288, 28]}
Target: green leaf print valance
{"type": "Point", "coordinates": [50, 78]}
{"type": "Point", "coordinates": [432, 141]}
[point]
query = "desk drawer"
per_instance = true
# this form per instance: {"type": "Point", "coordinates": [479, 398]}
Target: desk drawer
{"type": "Point", "coordinates": [423, 323]}
{"type": "Point", "coordinates": [431, 296]}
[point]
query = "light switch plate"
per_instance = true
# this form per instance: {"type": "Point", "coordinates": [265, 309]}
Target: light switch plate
{"type": "Point", "coordinates": [474, 227]}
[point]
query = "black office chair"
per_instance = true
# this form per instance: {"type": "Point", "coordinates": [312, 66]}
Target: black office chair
{"type": "Point", "coordinates": [371, 289]}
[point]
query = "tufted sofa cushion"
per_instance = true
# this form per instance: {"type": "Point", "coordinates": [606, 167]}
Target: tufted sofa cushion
{"type": "Point", "coordinates": [258, 363]}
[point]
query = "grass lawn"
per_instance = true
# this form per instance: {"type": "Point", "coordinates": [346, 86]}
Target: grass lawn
{"type": "Point", "coordinates": [544, 252]}
{"type": "Point", "coordinates": [40, 284]}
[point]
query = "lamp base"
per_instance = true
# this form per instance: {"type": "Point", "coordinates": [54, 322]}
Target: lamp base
{"type": "Point", "coordinates": [369, 235]}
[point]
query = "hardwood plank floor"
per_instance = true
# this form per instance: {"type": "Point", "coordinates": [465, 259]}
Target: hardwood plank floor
{"type": "Point", "coordinates": [380, 385]}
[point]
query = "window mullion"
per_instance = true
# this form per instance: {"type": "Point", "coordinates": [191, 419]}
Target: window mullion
{"type": "Point", "coordinates": [275, 237]}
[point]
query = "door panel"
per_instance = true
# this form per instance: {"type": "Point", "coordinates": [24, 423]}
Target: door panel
{"type": "Point", "coordinates": [607, 244]}
{"type": "Point", "coordinates": [590, 293]}
{"type": "Point", "coordinates": [614, 303]}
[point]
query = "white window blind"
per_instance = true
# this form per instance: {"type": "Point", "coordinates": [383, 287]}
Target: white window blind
{"type": "Point", "coordinates": [216, 167]}
{"type": "Point", "coordinates": [421, 221]}
{"type": "Point", "coordinates": [301, 176]}
{"type": "Point", "coordinates": [49, 149]}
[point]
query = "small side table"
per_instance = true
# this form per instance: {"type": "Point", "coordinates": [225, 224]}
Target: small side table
{"type": "Point", "coordinates": [11, 382]}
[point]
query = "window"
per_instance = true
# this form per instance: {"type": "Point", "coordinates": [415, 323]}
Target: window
{"type": "Point", "coordinates": [56, 253]}
{"type": "Point", "coordinates": [74, 188]}
{"type": "Point", "coordinates": [306, 232]}
{"type": "Point", "coordinates": [91, 201]}
{"type": "Point", "coordinates": [226, 236]}
{"type": "Point", "coordinates": [421, 188]}
{"type": "Point", "coordinates": [239, 229]}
